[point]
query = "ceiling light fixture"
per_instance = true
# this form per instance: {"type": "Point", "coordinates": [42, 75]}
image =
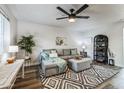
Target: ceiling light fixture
{"type": "Point", "coordinates": [73, 14]}
{"type": "Point", "coordinates": [71, 19]}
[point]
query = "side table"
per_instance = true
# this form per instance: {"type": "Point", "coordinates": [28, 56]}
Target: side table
{"type": "Point", "coordinates": [27, 62]}
{"type": "Point", "coordinates": [84, 54]}
{"type": "Point", "coordinates": [23, 69]}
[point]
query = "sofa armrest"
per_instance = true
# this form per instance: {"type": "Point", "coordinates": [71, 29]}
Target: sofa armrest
{"type": "Point", "coordinates": [49, 69]}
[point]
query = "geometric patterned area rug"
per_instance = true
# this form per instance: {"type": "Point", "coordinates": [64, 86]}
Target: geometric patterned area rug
{"type": "Point", "coordinates": [86, 79]}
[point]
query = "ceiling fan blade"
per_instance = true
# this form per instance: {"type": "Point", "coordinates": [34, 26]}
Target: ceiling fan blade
{"type": "Point", "coordinates": [81, 9]}
{"type": "Point", "coordinates": [61, 18]}
{"type": "Point", "coordinates": [84, 17]}
{"type": "Point", "coordinates": [62, 10]}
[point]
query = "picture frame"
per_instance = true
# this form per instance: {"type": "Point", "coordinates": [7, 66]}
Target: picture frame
{"type": "Point", "coordinates": [61, 41]}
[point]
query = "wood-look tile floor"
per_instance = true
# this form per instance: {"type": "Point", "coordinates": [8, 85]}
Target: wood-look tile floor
{"type": "Point", "coordinates": [116, 82]}
{"type": "Point", "coordinates": [32, 81]}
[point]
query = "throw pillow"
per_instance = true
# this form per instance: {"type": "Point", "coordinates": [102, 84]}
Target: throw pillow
{"type": "Point", "coordinates": [73, 51]}
{"type": "Point", "coordinates": [53, 55]}
{"type": "Point", "coordinates": [53, 51]}
{"type": "Point", "coordinates": [66, 52]}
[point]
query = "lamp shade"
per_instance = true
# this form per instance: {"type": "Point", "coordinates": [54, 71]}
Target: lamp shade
{"type": "Point", "coordinates": [83, 47]}
{"type": "Point", "coordinates": [13, 49]}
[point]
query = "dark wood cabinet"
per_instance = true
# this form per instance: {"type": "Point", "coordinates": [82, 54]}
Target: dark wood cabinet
{"type": "Point", "coordinates": [100, 48]}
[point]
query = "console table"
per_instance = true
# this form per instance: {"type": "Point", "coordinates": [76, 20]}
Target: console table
{"type": "Point", "coordinates": [8, 73]}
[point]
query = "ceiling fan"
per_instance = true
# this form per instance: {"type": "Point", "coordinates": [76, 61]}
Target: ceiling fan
{"type": "Point", "coordinates": [73, 14]}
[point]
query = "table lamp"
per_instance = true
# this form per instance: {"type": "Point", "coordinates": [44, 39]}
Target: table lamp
{"type": "Point", "coordinates": [12, 49]}
{"type": "Point", "coordinates": [83, 47]}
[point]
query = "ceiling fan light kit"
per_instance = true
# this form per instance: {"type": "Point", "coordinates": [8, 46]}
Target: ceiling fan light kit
{"type": "Point", "coordinates": [71, 20]}
{"type": "Point", "coordinates": [73, 15]}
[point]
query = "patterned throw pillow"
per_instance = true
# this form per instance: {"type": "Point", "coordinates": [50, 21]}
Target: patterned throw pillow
{"type": "Point", "coordinates": [74, 51]}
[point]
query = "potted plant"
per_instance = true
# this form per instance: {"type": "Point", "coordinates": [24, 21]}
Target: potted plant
{"type": "Point", "coordinates": [26, 43]}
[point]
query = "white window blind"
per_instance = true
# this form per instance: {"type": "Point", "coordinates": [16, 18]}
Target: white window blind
{"type": "Point", "coordinates": [4, 33]}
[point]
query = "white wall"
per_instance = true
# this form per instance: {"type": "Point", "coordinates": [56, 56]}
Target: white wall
{"type": "Point", "coordinates": [13, 27]}
{"type": "Point", "coordinates": [45, 36]}
{"type": "Point", "coordinates": [115, 35]}
{"type": "Point", "coordinates": [116, 43]}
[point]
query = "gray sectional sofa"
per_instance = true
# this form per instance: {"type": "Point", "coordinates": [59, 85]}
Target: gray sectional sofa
{"type": "Point", "coordinates": [52, 68]}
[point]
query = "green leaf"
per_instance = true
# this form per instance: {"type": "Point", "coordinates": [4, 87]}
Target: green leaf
{"type": "Point", "coordinates": [26, 43]}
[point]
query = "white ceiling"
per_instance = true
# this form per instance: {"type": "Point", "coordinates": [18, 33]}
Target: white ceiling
{"type": "Point", "coordinates": [100, 14]}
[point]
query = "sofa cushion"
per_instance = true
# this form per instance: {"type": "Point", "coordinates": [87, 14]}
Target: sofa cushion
{"type": "Point", "coordinates": [53, 55]}
{"type": "Point", "coordinates": [53, 51]}
{"type": "Point", "coordinates": [66, 52]}
{"type": "Point", "coordinates": [60, 52]}
{"type": "Point", "coordinates": [74, 51]}
{"type": "Point", "coordinates": [66, 57]}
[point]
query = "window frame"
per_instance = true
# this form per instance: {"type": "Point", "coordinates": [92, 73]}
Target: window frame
{"type": "Point", "coordinates": [4, 32]}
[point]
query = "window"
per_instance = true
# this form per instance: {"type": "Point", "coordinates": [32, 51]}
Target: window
{"type": "Point", "coordinates": [4, 33]}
